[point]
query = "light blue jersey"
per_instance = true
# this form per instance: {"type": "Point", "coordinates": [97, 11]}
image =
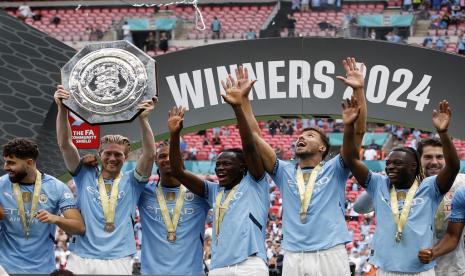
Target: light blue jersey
{"type": "Point", "coordinates": [458, 206]}
{"type": "Point", "coordinates": [36, 254]}
{"type": "Point", "coordinates": [183, 257]}
{"type": "Point", "coordinates": [96, 243]}
{"type": "Point", "coordinates": [418, 232]}
{"type": "Point", "coordinates": [325, 226]}
{"type": "Point", "coordinates": [242, 232]}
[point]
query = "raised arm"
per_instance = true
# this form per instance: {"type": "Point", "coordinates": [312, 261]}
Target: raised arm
{"type": "Point", "coordinates": [232, 96]}
{"type": "Point", "coordinates": [188, 179]}
{"type": "Point", "coordinates": [265, 151]}
{"type": "Point", "coordinates": [67, 148]}
{"type": "Point", "coordinates": [145, 162]}
{"type": "Point", "coordinates": [441, 119]}
{"type": "Point", "coordinates": [355, 79]}
{"type": "Point", "coordinates": [350, 155]}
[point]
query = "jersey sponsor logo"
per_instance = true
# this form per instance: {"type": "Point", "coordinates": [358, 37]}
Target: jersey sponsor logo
{"type": "Point", "coordinates": [68, 195]}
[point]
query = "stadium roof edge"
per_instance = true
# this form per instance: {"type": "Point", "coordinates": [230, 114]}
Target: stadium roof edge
{"type": "Point", "coordinates": [87, 3]}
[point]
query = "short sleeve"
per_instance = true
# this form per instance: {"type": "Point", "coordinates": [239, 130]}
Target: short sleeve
{"type": "Point", "coordinates": [278, 172]}
{"type": "Point", "coordinates": [79, 175]}
{"type": "Point", "coordinates": [210, 190]}
{"type": "Point", "coordinates": [458, 206]}
{"type": "Point", "coordinates": [435, 192]}
{"type": "Point", "coordinates": [338, 166]}
{"type": "Point", "coordinates": [373, 181]}
{"type": "Point", "coordinates": [67, 200]}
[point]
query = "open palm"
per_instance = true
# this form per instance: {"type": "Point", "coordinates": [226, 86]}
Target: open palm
{"type": "Point", "coordinates": [232, 93]}
{"type": "Point", "coordinates": [441, 116]}
{"type": "Point", "coordinates": [350, 111]}
{"type": "Point", "coordinates": [176, 119]}
{"type": "Point", "coordinates": [243, 83]}
{"type": "Point", "coordinates": [354, 76]}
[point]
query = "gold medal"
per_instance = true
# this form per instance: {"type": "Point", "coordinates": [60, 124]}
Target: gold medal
{"type": "Point", "coordinates": [109, 227]}
{"type": "Point", "coordinates": [171, 237]}
{"type": "Point", "coordinates": [401, 219]}
{"type": "Point", "coordinates": [401, 195]}
{"type": "Point", "coordinates": [170, 196]}
{"type": "Point", "coordinates": [109, 202]}
{"type": "Point", "coordinates": [26, 197]}
{"type": "Point", "coordinates": [108, 188]}
{"type": "Point", "coordinates": [306, 190]}
{"type": "Point", "coordinates": [171, 223]}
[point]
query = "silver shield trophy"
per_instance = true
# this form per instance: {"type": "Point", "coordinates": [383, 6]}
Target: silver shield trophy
{"type": "Point", "coordinates": [107, 81]}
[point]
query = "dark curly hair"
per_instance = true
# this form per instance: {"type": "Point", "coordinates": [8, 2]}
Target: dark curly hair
{"type": "Point", "coordinates": [21, 148]}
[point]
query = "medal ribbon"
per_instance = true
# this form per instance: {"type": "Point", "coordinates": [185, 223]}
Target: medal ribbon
{"type": "Point", "coordinates": [220, 209]}
{"type": "Point", "coordinates": [171, 224]}
{"type": "Point", "coordinates": [306, 191]}
{"type": "Point", "coordinates": [109, 204]}
{"type": "Point", "coordinates": [401, 219]}
{"type": "Point", "coordinates": [20, 204]}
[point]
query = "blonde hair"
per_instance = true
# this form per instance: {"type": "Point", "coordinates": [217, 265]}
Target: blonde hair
{"type": "Point", "coordinates": [115, 139]}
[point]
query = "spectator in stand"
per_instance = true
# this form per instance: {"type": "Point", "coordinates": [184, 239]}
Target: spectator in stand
{"type": "Point", "coordinates": [428, 41]}
{"type": "Point", "coordinates": [373, 34]}
{"type": "Point", "coordinates": [440, 44]}
{"type": "Point", "coordinates": [212, 155]}
{"type": "Point", "coordinates": [216, 28]}
{"type": "Point", "coordinates": [163, 45]}
{"type": "Point", "coordinates": [295, 5]}
{"type": "Point", "coordinates": [24, 12]}
{"type": "Point", "coordinates": [291, 25]}
{"type": "Point", "coordinates": [127, 32]}
{"type": "Point", "coordinates": [272, 126]}
{"type": "Point", "coordinates": [407, 5]}
{"type": "Point", "coordinates": [305, 5]}
{"type": "Point", "coordinates": [206, 142]}
{"type": "Point", "coordinates": [370, 154]}
{"type": "Point", "coordinates": [192, 153]}
{"type": "Point", "coordinates": [461, 44]}
{"type": "Point", "coordinates": [250, 35]}
{"type": "Point", "coordinates": [216, 140]}
{"type": "Point", "coordinates": [151, 42]}
{"type": "Point", "coordinates": [55, 20]}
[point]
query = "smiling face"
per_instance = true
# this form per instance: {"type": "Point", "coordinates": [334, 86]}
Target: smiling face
{"type": "Point", "coordinates": [230, 169]}
{"type": "Point", "coordinates": [401, 168]}
{"type": "Point", "coordinates": [16, 168]}
{"type": "Point", "coordinates": [310, 143]}
{"type": "Point", "coordinates": [163, 160]}
{"type": "Point", "coordinates": [432, 160]}
{"type": "Point", "coordinates": [113, 157]}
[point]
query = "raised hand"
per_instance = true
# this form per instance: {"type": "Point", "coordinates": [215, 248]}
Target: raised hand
{"type": "Point", "coordinates": [350, 110]}
{"type": "Point", "coordinates": [60, 95]}
{"type": "Point", "coordinates": [426, 255]}
{"type": "Point", "coordinates": [243, 83]}
{"type": "Point", "coordinates": [354, 76]}
{"type": "Point", "coordinates": [176, 119]}
{"type": "Point", "coordinates": [232, 91]}
{"type": "Point", "coordinates": [147, 107]}
{"type": "Point", "coordinates": [441, 116]}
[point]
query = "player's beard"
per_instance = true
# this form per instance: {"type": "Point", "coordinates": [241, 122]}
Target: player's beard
{"type": "Point", "coordinates": [18, 176]}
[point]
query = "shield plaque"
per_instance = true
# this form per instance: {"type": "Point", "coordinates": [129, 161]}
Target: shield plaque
{"type": "Point", "coordinates": [108, 80]}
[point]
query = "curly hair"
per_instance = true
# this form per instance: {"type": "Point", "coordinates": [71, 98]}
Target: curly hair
{"type": "Point", "coordinates": [21, 148]}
